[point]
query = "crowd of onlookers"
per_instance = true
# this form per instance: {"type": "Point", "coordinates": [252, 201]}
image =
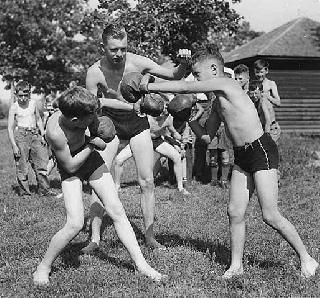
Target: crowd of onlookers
{"type": "Point", "coordinates": [199, 161]}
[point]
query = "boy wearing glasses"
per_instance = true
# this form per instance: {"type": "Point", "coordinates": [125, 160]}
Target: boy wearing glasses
{"type": "Point", "coordinates": [26, 135]}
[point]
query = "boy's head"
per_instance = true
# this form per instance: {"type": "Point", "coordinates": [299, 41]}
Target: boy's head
{"type": "Point", "coordinates": [23, 92]}
{"type": "Point", "coordinates": [255, 90]}
{"type": "Point", "coordinates": [207, 63]}
{"type": "Point", "coordinates": [242, 76]}
{"type": "Point", "coordinates": [114, 43]}
{"type": "Point", "coordinates": [261, 69]}
{"type": "Point", "coordinates": [78, 105]}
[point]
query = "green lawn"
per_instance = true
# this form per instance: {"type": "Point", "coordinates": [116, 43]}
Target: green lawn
{"type": "Point", "coordinates": [195, 230]}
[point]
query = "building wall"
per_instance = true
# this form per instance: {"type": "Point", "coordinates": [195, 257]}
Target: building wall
{"type": "Point", "coordinates": [298, 82]}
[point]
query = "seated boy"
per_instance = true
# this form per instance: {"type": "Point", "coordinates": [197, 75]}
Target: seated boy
{"type": "Point", "coordinates": [78, 160]}
{"type": "Point", "coordinates": [255, 153]}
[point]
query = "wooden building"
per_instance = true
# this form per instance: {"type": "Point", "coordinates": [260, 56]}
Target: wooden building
{"type": "Point", "coordinates": [293, 52]}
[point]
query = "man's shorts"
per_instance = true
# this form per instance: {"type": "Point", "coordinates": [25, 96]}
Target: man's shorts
{"type": "Point", "coordinates": [275, 131]}
{"type": "Point", "coordinates": [127, 123]}
{"type": "Point", "coordinates": [92, 163]}
{"type": "Point", "coordinates": [261, 154]}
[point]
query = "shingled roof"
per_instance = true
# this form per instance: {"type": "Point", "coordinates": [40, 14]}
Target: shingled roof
{"type": "Point", "coordinates": [296, 38]}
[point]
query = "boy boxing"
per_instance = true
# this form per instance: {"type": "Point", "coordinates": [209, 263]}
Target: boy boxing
{"type": "Point", "coordinates": [78, 160]}
{"type": "Point", "coordinates": [256, 154]}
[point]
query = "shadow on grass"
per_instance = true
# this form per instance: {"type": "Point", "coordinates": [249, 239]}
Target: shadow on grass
{"type": "Point", "coordinates": [263, 264]}
{"type": "Point", "coordinates": [218, 251]}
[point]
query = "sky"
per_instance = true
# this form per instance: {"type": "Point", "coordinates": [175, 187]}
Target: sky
{"type": "Point", "coordinates": [265, 15]}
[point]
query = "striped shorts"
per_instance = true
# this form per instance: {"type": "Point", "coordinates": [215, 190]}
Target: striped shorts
{"type": "Point", "coordinates": [261, 154]}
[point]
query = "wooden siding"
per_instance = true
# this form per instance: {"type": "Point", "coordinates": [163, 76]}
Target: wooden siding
{"type": "Point", "coordinates": [300, 100]}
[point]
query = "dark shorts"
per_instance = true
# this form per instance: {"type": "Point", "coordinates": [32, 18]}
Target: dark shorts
{"type": "Point", "coordinates": [157, 142]}
{"type": "Point", "coordinates": [127, 123]}
{"type": "Point", "coordinates": [261, 154]}
{"type": "Point", "coordinates": [93, 162]}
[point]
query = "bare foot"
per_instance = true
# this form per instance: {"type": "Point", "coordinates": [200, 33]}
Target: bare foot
{"type": "Point", "coordinates": [41, 276]}
{"type": "Point", "coordinates": [154, 244]}
{"type": "Point", "coordinates": [232, 272]}
{"type": "Point", "coordinates": [147, 270]}
{"type": "Point", "coordinates": [309, 268]}
{"type": "Point", "coordinates": [184, 192]}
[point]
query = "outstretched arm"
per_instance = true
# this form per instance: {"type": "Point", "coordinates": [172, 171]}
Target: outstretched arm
{"type": "Point", "coordinates": [175, 73]}
{"type": "Point", "coordinates": [190, 87]}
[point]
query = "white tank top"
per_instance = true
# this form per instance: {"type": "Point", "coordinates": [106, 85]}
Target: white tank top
{"type": "Point", "coordinates": [26, 117]}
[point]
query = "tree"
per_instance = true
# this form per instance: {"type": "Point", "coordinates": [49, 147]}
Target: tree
{"type": "Point", "coordinates": [40, 42]}
{"type": "Point", "coordinates": [228, 42]}
{"type": "Point", "coordinates": [156, 27]}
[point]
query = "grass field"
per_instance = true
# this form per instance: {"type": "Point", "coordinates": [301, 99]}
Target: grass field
{"type": "Point", "coordinates": [195, 230]}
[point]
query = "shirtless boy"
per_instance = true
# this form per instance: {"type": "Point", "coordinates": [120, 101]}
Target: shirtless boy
{"type": "Point", "coordinates": [160, 127]}
{"type": "Point", "coordinates": [256, 154]}
{"type": "Point", "coordinates": [78, 160]}
{"type": "Point", "coordinates": [131, 128]}
{"type": "Point", "coordinates": [270, 89]}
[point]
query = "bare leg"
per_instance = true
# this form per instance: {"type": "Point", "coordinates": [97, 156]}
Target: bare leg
{"type": "Point", "coordinates": [103, 185]}
{"type": "Point", "coordinates": [72, 191]}
{"type": "Point", "coordinates": [120, 159]}
{"type": "Point", "coordinates": [266, 182]}
{"type": "Point", "coordinates": [241, 190]}
{"type": "Point", "coordinates": [169, 151]}
{"type": "Point", "coordinates": [142, 150]}
{"type": "Point", "coordinates": [97, 209]}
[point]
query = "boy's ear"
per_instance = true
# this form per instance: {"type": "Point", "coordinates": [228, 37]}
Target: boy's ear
{"type": "Point", "coordinates": [214, 69]}
{"type": "Point", "coordinates": [266, 69]}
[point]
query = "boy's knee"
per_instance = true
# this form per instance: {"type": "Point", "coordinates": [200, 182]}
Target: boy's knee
{"type": "Point", "coordinates": [271, 217]}
{"type": "Point", "coordinates": [75, 224]}
{"type": "Point", "coordinates": [234, 213]}
{"type": "Point", "coordinates": [147, 184]}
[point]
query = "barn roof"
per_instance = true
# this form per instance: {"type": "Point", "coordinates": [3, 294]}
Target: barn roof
{"type": "Point", "coordinates": [297, 38]}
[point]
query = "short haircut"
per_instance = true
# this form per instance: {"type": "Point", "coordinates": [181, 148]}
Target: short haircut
{"type": "Point", "coordinates": [254, 85]}
{"type": "Point", "coordinates": [77, 102]}
{"type": "Point", "coordinates": [241, 68]}
{"type": "Point", "coordinates": [23, 86]}
{"type": "Point", "coordinates": [206, 52]}
{"type": "Point", "coordinates": [114, 30]}
{"type": "Point", "coordinates": [260, 63]}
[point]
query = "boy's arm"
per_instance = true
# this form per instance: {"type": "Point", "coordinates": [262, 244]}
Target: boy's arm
{"type": "Point", "coordinates": [176, 73]}
{"type": "Point", "coordinates": [39, 122]}
{"type": "Point", "coordinates": [11, 126]}
{"type": "Point", "coordinates": [273, 96]}
{"type": "Point", "coordinates": [199, 111]}
{"type": "Point", "coordinates": [208, 132]}
{"type": "Point", "coordinates": [62, 152]}
{"type": "Point", "coordinates": [174, 132]}
{"type": "Point", "coordinates": [221, 84]}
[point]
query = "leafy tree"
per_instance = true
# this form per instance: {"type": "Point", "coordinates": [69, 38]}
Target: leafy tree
{"type": "Point", "coordinates": [228, 42]}
{"type": "Point", "coordinates": [156, 27]}
{"type": "Point", "coordinates": [39, 42]}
